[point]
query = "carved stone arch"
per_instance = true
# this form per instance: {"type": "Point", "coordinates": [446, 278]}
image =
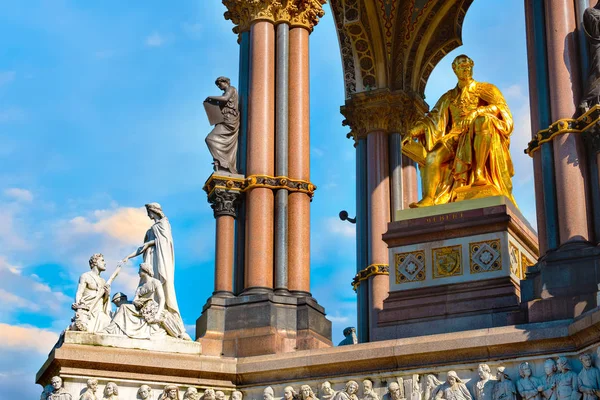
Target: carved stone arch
{"type": "Point", "coordinates": [378, 46]}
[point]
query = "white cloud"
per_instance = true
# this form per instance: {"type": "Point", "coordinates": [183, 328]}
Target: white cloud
{"type": "Point", "coordinates": [155, 40]}
{"type": "Point", "coordinates": [12, 302]}
{"type": "Point", "coordinates": [26, 337]}
{"type": "Point", "coordinates": [7, 77]}
{"type": "Point", "coordinates": [342, 228]}
{"type": "Point", "coordinates": [19, 194]}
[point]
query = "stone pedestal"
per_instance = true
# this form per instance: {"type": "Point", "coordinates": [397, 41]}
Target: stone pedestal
{"type": "Point", "coordinates": [261, 324]}
{"type": "Point", "coordinates": [459, 264]}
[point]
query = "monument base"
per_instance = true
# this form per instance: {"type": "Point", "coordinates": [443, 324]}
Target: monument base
{"type": "Point", "coordinates": [258, 324]}
{"type": "Point", "coordinates": [459, 264]}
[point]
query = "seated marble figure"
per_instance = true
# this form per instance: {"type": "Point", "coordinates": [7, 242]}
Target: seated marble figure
{"type": "Point", "coordinates": [146, 317]}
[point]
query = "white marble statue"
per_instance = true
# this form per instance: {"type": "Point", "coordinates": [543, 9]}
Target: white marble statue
{"type": "Point", "coordinates": [92, 305]}
{"type": "Point", "coordinates": [484, 386]}
{"type": "Point", "coordinates": [504, 389]}
{"type": "Point", "coordinates": [158, 252]}
{"type": "Point", "coordinates": [191, 394]}
{"type": "Point", "coordinates": [431, 386]}
{"type": "Point", "coordinates": [306, 393]}
{"type": "Point", "coordinates": [453, 389]}
{"type": "Point", "coordinates": [589, 378]}
{"type": "Point", "coordinates": [90, 391]}
{"type": "Point", "coordinates": [58, 391]}
{"type": "Point", "coordinates": [327, 391]}
{"type": "Point", "coordinates": [368, 392]}
{"type": "Point", "coordinates": [566, 383]}
{"type": "Point", "coordinates": [268, 393]}
{"type": "Point", "coordinates": [144, 392]}
{"type": "Point", "coordinates": [111, 391]}
{"type": "Point", "coordinates": [349, 392]}
{"type": "Point", "coordinates": [289, 393]}
{"type": "Point", "coordinates": [171, 392]}
{"type": "Point", "coordinates": [528, 386]}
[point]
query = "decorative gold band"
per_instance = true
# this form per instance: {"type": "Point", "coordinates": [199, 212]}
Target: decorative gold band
{"type": "Point", "coordinates": [565, 125]}
{"type": "Point", "coordinates": [371, 270]}
{"type": "Point", "coordinates": [258, 181]}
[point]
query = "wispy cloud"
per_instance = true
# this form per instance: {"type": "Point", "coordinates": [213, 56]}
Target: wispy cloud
{"type": "Point", "coordinates": [155, 40]}
{"type": "Point", "coordinates": [19, 194]}
{"type": "Point", "coordinates": [26, 337]}
{"type": "Point", "coordinates": [7, 77]}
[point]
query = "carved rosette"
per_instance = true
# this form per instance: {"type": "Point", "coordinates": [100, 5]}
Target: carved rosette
{"type": "Point", "coordinates": [381, 110]}
{"type": "Point", "coordinates": [297, 13]}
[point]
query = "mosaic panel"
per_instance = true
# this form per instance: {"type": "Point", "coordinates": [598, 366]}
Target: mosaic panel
{"type": "Point", "coordinates": [515, 258]}
{"type": "Point", "coordinates": [410, 267]}
{"type": "Point", "coordinates": [485, 256]}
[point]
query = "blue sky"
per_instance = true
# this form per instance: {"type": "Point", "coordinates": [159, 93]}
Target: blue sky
{"type": "Point", "coordinates": [101, 112]}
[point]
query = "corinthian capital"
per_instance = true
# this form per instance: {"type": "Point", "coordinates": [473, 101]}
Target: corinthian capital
{"type": "Point", "coordinates": [297, 13]}
{"type": "Point", "coordinates": [381, 110]}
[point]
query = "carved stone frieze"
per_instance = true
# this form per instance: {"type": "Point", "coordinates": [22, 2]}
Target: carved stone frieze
{"type": "Point", "coordinates": [297, 13]}
{"type": "Point", "coordinates": [381, 111]}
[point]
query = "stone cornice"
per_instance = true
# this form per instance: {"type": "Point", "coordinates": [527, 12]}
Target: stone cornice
{"type": "Point", "coordinates": [381, 110]}
{"type": "Point", "coordinates": [297, 13]}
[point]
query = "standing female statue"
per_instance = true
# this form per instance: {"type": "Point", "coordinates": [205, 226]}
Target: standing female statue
{"type": "Point", "coordinates": [158, 252]}
{"type": "Point", "coordinates": [222, 140]}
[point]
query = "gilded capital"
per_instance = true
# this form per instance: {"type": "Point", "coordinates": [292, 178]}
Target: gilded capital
{"type": "Point", "coordinates": [381, 110]}
{"type": "Point", "coordinates": [296, 13]}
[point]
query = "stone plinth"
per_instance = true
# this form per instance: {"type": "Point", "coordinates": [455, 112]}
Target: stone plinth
{"type": "Point", "coordinates": [260, 324]}
{"type": "Point", "coordinates": [461, 263]}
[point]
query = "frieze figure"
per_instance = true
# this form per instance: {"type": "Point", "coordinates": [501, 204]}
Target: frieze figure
{"type": "Point", "coordinates": [209, 394]}
{"type": "Point", "coordinates": [92, 305]}
{"type": "Point", "coordinates": [268, 393]}
{"type": "Point", "coordinates": [289, 393]}
{"type": "Point", "coordinates": [432, 385]}
{"type": "Point", "coordinates": [463, 142]}
{"type": "Point", "coordinates": [90, 391]}
{"type": "Point", "coordinates": [504, 389]}
{"type": "Point", "coordinates": [549, 383]}
{"type": "Point", "coordinates": [395, 391]}
{"type": "Point", "coordinates": [528, 386]}
{"type": "Point", "coordinates": [236, 395]}
{"type": "Point", "coordinates": [484, 386]}
{"type": "Point", "coordinates": [306, 393]}
{"type": "Point", "coordinates": [58, 391]}
{"type": "Point", "coordinates": [191, 394]}
{"type": "Point", "coordinates": [111, 391]}
{"type": "Point", "coordinates": [589, 378]}
{"type": "Point", "coordinates": [349, 336]}
{"type": "Point", "coordinates": [327, 391]}
{"type": "Point", "coordinates": [368, 392]}
{"type": "Point", "coordinates": [144, 392]}
{"type": "Point", "coordinates": [566, 386]}
{"type": "Point", "coordinates": [158, 252]}
{"type": "Point", "coordinates": [219, 395]}
{"type": "Point", "coordinates": [453, 389]}
{"type": "Point", "coordinates": [222, 141]}
{"type": "Point", "coordinates": [349, 392]}
{"type": "Point", "coordinates": [170, 392]}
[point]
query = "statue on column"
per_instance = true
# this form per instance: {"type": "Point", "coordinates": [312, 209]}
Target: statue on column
{"type": "Point", "coordinates": [223, 113]}
{"type": "Point", "coordinates": [463, 143]}
{"type": "Point", "coordinates": [159, 254]}
{"type": "Point", "coordinates": [92, 299]}
{"type": "Point", "coordinates": [591, 27]}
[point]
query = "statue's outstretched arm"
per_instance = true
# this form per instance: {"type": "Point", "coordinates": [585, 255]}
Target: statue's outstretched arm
{"type": "Point", "coordinates": [226, 96]}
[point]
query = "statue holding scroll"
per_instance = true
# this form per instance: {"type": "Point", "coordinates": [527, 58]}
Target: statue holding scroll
{"type": "Point", "coordinates": [463, 143]}
{"type": "Point", "coordinates": [222, 112]}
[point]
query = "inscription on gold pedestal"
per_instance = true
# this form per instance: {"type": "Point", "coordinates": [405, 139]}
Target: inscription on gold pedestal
{"type": "Point", "coordinates": [444, 218]}
{"type": "Point", "coordinates": [410, 267]}
{"type": "Point", "coordinates": [447, 261]}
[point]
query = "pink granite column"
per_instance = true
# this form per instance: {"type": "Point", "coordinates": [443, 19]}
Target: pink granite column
{"type": "Point", "coordinates": [299, 163]}
{"type": "Point", "coordinates": [569, 156]}
{"type": "Point", "coordinates": [410, 192]}
{"type": "Point", "coordinates": [261, 142]}
{"type": "Point", "coordinates": [224, 255]}
{"type": "Point", "coordinates": [378, 204]}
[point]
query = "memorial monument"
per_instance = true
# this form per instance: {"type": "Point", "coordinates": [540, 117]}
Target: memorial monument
{"type": "Point", "coordinates": [453, 289]}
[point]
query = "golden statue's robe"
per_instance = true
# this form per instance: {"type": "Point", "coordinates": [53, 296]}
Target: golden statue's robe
{"type": "Point", "coordinates": [443, 126]}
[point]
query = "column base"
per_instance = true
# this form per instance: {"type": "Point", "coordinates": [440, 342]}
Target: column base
{"type": "Point", "coordinates": [223, 293]}
{"type": "Point", "coordinates": [259, 324]}
{"type": "Point", "coordinates": [256, 290]}
{"type": "Point", "coordinates": [564, 283]}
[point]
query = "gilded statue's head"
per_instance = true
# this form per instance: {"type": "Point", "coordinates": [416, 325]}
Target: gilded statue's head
{"type": "Point", "coordinates": [463, 67]}
{"type": "Point", "coordinates": [222, 82]}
